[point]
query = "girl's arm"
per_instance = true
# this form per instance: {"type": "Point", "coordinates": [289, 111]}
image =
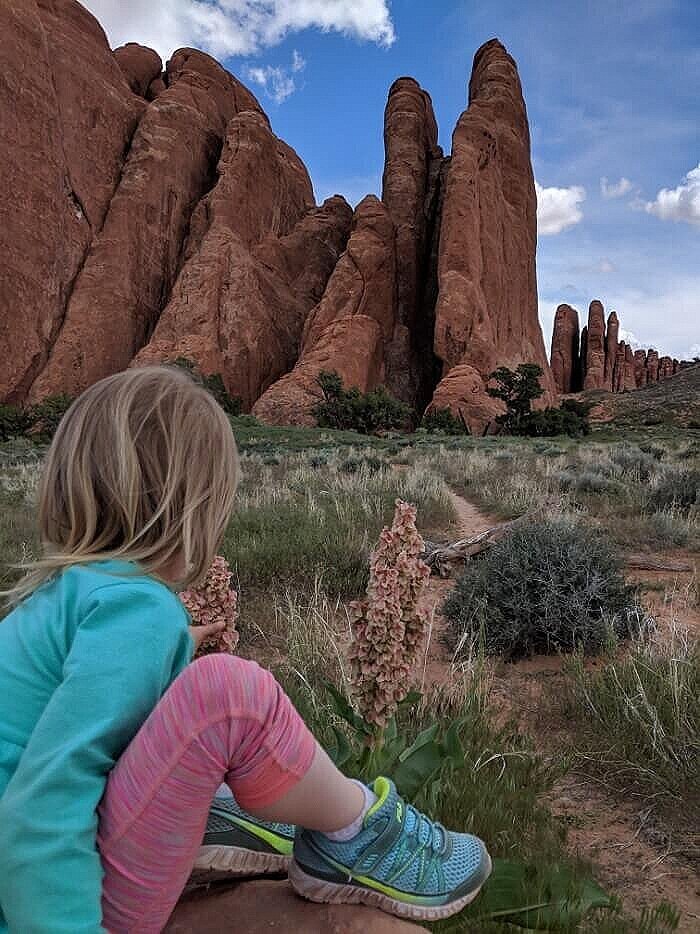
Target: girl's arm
{"type": "Point", "coordinates": [131, 641]}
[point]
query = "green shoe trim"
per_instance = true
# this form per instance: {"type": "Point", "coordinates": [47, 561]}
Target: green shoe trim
{"type": "Point", "coordinates": [278, 843]}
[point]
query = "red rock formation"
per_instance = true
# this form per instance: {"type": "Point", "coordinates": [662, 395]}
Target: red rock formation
{"type": "Point", "coordinates": [630, 380]}
{"type": "Point", "coordinates": [67, 117]}
{"type": "Point", "coordinates": [463, 392]}
{"type": "Point", "coordinates": [263, 906]}
{"type": "Point", "coordinates": [665, 367]}
{"type": "Point", "coordinates": [611, 340]}
{"type": "Point", "coordinates": [595, 348]}
{"type": "Point", "coordinates": [583, 356]}
{"type": "Point", "coordinates": [565, 350]}
{"type": "Point", "coordinates": [361, 287]}
{"type": "Point", "coordinates": [618, 369]}
{"type": "Point", "coordinates": [140, 65]}
{"type": "Point", "coordinates": [486, 312]}
{"type": "Point", "coordinates": [640, 368]}
{"type": "Point", "coordinates": [410, 192]}
{"type": "Point", "coordinates": [652, 366]}
{"type": "Point", "coordinates": [135, 257]}
{"type": "Point", "coordinates": [241, 312]}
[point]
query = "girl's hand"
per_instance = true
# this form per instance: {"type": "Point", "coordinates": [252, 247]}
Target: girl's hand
{"type": "Point", "coordinates": [200, 633]}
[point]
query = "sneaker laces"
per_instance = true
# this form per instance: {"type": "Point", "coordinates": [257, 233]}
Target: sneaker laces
{"type": "Point", "coordinates": [428, 833]}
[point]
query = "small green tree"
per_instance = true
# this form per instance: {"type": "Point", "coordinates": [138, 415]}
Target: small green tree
{"type": "Point", "coordinates": [442, 421]}
{"type": "Point", "coordinates": [518, 389]}
{"type": "Point", "coordinates": [352, 410]}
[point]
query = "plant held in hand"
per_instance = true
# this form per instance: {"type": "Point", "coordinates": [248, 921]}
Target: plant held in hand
{"type": "Point", "coordinates": [214, 601]}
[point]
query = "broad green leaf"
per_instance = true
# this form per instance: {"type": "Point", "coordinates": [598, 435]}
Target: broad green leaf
{"type": "Point", "coordinates": [426, 736]}
{"type": "Point", "coordinates": [453, 743]}
{"type": "Point", "coordinates": [344, 709]}
{"type": "Point", "coordinates": [411, 699]}
{"type": "Point", "coordinates": [547, 899]}
{"type": "Point", "coordinates": [342, 750]}
{"type": "Point", "coordinates": [414, 770]}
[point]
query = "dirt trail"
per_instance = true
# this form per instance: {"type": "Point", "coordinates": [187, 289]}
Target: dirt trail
{"type": "Point", "coordinates": [469, 521]}
{"type": "Point", "coordinates": [635, 857]}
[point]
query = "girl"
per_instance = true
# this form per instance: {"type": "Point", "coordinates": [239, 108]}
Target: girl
{"type": "Point", "coordinates": [112, 743]}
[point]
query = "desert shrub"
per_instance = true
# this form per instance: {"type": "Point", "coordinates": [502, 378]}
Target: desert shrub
{"type": "Point", "coordinates": [629, 459]}
{"type": "Point", "coordinates": [668, 528]}
{"type": "Point", "coordinates": [14, 422]}
{"type": "Point", "coordinates": [46, 415]}
{"type": "Point", "coordinates": [352, 410]}
{"type": "Point", "coordinates": [571, 419]}
{"type": "Point", "coordinates": [214, 385]}
{"type": "Point", "coordinates": [657, 452]}
{"type": "Point", "coordinates": [586, 481]}
{"type": "Point", "coordinates": [680, 488]}
{"type": "Point", "coordinates": [38, 421]}
{"type": "Point", "coordinates": [638, 716]}
{"type": "Point", "coordinates": [442, 421]}
{"type": "Point", "coordinates": [546, 587]}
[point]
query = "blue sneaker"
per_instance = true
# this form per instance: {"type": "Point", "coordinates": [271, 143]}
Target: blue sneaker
{"type": "Point", "coordinates": [237, 844]}
{"type": "Point", "coordinates": [400, 861]}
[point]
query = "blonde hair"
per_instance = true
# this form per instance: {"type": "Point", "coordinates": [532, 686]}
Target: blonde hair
{"type": "Point", "coordinates": [143, 468]}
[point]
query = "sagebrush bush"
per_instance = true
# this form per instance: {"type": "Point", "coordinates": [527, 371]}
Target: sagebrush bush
{"type": "Point", "coordinates": [676, 487]}
{"type": "Point", "coordinates": [551, 586]}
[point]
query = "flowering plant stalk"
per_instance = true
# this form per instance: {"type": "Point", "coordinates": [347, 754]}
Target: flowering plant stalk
{"type": "Point", "coordinates": [213, 601]}
{"type": "Point", "coordinates": [389, 625]}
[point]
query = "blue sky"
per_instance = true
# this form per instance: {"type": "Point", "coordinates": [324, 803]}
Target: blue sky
{"type": "Point", "coordinates": [612, 90]}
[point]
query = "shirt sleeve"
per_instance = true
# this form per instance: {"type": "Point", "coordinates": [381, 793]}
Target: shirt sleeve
{"type": "Point", "coordinates": [131, 642]}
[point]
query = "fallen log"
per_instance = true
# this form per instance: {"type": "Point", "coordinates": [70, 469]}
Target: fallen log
{"type": "Point", "coordinates": [648, 563]}
{"type": "Point", "coordinates": [441, 557]}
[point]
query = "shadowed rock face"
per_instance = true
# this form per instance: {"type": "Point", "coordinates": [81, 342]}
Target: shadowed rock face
{"type": "Point", "coordinates": [486, 312]}
{"type": "Point", "coordinates": [67, 120]}
{"type": "Point", "coordinates": [611, 343]}
{"type": "Point", "coordinates": [134, 259]}
{"type": "Point", "coordinates": [162, 218]}
{"type": "Point", "coordinates": [140, 66]}
{"type": "Point", "coordinates": [640, 368]}
{"type": "Point", "coordinates": [595, 348]}
{"type": "Point", "coordinates": [565, 361]}
{"type": "Point", "coordinates": [410, 190]}
{"type": "Point", "coordinates": [362, 287]}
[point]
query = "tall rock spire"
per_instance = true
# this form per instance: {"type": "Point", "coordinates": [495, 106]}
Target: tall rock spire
{"type": "Point", "coordinates": [486, 314]}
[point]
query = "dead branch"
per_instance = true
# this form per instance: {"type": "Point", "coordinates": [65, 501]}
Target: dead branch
{"type": "Point", "coordinates": [648, 563]}
{"type": "Point", "coordinates": [441, 557]}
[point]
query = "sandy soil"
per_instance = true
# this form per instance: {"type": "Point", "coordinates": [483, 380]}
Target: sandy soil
{"type": "Point", "coordinates": [636, 857]}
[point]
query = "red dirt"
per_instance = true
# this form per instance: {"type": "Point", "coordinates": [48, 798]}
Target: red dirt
{"type": "Point", "coordinates": [635, 856]}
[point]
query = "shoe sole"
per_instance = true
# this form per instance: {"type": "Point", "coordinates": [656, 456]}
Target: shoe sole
{"type": "Point", "coordinates": [318, 890]}
{"type": "Point", "coordinates": [227, 861]}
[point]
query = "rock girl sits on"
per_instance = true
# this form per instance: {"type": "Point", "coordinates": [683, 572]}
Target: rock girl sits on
{"type": "Point", "coordinates": [113, 742]}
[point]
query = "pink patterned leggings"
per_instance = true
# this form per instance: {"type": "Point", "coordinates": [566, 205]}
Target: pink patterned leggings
{"type": "Point", "coordinates": [223, 719]}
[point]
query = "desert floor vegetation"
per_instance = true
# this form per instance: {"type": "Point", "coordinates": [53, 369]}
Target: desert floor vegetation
{"type": "Point", "coordinates": [581, 764]}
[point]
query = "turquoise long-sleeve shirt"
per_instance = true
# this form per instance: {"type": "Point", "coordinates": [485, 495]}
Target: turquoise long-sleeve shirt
{"type": "Point", "coordinates": [83, 661]}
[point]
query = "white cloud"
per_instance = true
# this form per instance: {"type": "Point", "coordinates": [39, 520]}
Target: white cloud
{"type": "Point", "coordinates": [277, 81]}
{"type": "Point", "coordinates": [238, 27]}
{"type": "Point", "coordinates": [681, 203]}
{"type": "Point", "coordinates": [630, 339]}
{"type": "Point", "coordinates": [615, 189]}
{"type": "Point", "coordinates": [558, 208]}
